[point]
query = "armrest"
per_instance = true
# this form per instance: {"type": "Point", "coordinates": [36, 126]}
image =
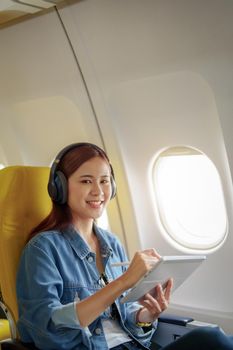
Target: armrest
{"type": "Point", "coordinates": [174, 319]}
{"type": "Point", "coordinates": [170, 327]}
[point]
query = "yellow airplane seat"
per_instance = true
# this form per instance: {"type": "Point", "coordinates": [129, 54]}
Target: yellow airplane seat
{"type": "Point", "coordinates": [4, 323]}
{"type": "Point", "coordinates": [24, 202]}
{"type": "Point", "coordinates": [5, 332]}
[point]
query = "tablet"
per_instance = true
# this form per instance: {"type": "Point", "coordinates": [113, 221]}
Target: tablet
{"type": "Point", "coordinates": [177, 267]}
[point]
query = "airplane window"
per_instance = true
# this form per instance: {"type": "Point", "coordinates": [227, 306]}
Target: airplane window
{"type": "Point", "coordinates": [190, 199]}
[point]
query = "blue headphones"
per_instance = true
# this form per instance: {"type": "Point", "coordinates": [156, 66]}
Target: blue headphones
{"type": "Point", "coordinates": [57, 185]}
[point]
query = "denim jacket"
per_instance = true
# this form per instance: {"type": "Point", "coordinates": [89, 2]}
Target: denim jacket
{"type": "Point", "coordinates": [56, 270]}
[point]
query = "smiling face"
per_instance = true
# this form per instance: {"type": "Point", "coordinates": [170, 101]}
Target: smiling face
{"type": "Point", "coordinates": [89, 190]}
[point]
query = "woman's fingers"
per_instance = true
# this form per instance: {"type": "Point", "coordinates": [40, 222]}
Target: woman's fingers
{"type": "Point", "coordinates": [158, 304]}
{"type": "Point", "coordinates": [168, 289]}
{"type": "Point", "coordinates": [161, 299]}
{"type": "Point", "coordinates": [141, 263]}
{"type": "Point", "coordinates": [151, 253]}
{"type": "Point", "coordinates": [144, 260]}
{"type": "Point", "coordinates": [163, 294]}
{"type": "Point", "coordinates": [153, 308]}
{"type": "Point", "coordinates": [149, 257]}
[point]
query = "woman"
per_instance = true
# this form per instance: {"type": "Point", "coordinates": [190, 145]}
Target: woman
{"type": "Point", "coordinates": [68, 291]}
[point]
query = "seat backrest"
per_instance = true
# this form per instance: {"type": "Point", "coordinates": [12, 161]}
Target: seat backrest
{"type": "Point", "coordinates": [24, 202]}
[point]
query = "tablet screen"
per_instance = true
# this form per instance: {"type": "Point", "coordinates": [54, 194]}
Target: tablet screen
{"type": "Point", "coordinates": [177, 267]}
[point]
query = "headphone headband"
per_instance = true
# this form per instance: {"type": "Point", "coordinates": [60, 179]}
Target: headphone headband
{"type": "Point", "coordinates": [57, 185]}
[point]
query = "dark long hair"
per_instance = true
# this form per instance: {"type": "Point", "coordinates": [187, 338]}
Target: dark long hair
{"type": "Point", "coordinates": [60, 215]}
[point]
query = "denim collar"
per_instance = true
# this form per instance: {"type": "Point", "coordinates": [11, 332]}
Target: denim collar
{"type": "Point", "coordinates": [81, 247]}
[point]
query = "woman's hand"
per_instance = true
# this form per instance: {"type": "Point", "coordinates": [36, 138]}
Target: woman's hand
{"type": "Point", "coordinates": [154, 306]}
{"type": "Point", "coordinates": [140, 264]}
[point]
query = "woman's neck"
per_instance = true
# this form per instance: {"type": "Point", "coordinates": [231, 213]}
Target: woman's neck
{"type": "Point", "coordinates": [85, 228]}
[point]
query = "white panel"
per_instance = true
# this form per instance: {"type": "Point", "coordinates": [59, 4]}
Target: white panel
{"type": "Point", "coordinates": [44, 105]}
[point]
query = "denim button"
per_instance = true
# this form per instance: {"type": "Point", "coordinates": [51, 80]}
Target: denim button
{"type": "Point", "coordinates": [90, 259]}
{"type": "Point", "coordinates": [98, 331]}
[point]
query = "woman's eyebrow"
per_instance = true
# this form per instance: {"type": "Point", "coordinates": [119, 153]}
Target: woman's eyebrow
{"type": "Point", "coordinates": [86, 176]}
{"type": "Point", "coordinates": [91, 176]}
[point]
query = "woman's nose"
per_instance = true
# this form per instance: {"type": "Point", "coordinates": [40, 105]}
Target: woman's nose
{"type": "Point", "coordinates": [96, 188]}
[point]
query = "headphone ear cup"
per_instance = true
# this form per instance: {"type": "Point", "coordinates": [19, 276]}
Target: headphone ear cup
{"type": "Point", "coordinates": [52, 189]}
{"type": "Point", "coordinates": [113, 185]}
{"type": "Point", "coordinates": [61, 186]}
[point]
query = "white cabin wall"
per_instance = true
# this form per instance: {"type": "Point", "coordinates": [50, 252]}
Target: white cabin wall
{"type": "Point", "coordinates": [43, 100]}
{"type": "Point", "coordinates": [226, 119]}
{"type": "Point", "coordinates": [160, 74]}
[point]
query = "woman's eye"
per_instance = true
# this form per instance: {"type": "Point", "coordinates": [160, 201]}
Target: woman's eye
{"type": "Point", "coordinates": [86, 181]}
{"type": "Point", "coordinates": [105, 181]}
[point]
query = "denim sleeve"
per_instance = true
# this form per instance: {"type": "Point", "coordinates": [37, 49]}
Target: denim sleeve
{"type": "Point", "coordinates": [42, 316]}
{"type": "Point", "coordinates": [66, 316]}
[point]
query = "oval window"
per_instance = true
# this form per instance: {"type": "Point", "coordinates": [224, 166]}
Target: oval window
{"type": "Point", "coordinates": [190, 199]}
